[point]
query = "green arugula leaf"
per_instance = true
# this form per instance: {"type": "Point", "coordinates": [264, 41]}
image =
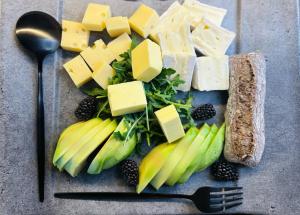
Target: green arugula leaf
{"type": "Point", "coordinates": [134, 42]}
{"type": "Point", "coordinates": [93, 91]}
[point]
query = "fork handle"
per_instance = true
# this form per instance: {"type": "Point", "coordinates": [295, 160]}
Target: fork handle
{"type": "Point", "coordinates": [106, 196]}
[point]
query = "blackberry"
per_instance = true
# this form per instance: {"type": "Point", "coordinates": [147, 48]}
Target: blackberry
{"type": "Point", "coordinates": [130, 172]}
{"type": "Point", "coordinates": [204, 112]}
{"type": "Point", "coordinates": [86, 108]}
{"type": "Point", "coordinates": [225, 171]}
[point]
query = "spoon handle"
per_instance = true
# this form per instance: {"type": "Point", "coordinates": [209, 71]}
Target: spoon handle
{"type": "Point", "coordinates": [40, 132]}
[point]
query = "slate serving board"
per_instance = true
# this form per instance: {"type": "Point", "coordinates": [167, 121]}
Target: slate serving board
{"type": "Point", "coordinates": [271, 26]}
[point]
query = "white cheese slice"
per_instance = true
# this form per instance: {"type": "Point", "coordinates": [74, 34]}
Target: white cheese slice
{"type": "Point", "coordinates": [211, 73]}
{"type": "Point", "coordinates": [170, 20]}
{"type": "Point", "coordinates": [198, 10]}
{"type": "Point", "coordinates": [210, 39]}
{"type": "Point", "coordinates": [178, 54]}
{"type": "Point", "coordinates": [184, 66]}
{"type": "Point", "coordinates": [177, 42]}
{"type": "Point", "coordinates": [192, 11]}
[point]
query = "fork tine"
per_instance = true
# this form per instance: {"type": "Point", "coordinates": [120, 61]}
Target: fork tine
{"type": "Point", "coordinates": [225, 193]}
{"type": "Point", "coordinates": [232, 204]}
{"type": "Point", "coordinates": [235, 199]}
{"type": "Point", "coordinates": [220, 189]}
{"type": "Point", "coordinates": [224, 190]}
{"type": "Point", "coordinates": [226, 199]}
{"type": "Point", "coordinates": [227, 204]}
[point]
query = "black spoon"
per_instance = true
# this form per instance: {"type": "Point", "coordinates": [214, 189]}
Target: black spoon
{"type": "Point", "coordinates": [41, 34]}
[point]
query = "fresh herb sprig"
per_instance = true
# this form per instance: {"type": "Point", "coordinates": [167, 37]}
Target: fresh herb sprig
{"type": "Point", "coordinates": [160, 92]}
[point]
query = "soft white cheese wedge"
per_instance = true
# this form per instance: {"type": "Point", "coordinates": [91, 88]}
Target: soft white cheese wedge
{"type": "Point", "coordinates": [170, 20]}
{"type": "Point", "coordinates": [210, 39]}
{"type": "Point", "coordinates": [178, 53]}
{"type": "Point", "coordinates": [192, 11]}
{"type": "Point", "coordinates": [198, 10]}
{"type": "Point", "coordinates": [211, 73]}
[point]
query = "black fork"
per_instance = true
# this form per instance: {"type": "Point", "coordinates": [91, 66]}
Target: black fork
{"type": "Point", "coordinates": [212, 199]}
{"type": "Point", "coordinates": [206, 199]}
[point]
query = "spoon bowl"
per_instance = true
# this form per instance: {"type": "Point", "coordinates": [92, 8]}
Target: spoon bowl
{"type": "Point", "coordinates": [40, 33]}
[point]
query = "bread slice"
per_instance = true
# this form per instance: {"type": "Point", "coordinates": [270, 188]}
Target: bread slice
{"type": "Point", "coordinates": [244, 116]}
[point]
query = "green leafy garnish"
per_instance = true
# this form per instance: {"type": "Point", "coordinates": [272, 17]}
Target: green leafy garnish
{"type": "Point", "coordinates": [160, 92]}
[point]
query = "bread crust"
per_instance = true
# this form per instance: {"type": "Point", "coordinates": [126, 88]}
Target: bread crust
{"type": "Point", "coordinates": [244, 116]}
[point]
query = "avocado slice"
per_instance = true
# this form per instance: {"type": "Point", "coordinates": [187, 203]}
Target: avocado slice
{"type": "Point", "coordinates": [214, 151]}
{"type": "Point", "coordinates": [75, 165]}
{"type": "Point", "coordinates": [113, 151]}
{"type": "Point", "coordinates": [68, 140]}
{"type": "Point", "coordinates": [121, 153]}
{"type": "Point", "coordinates": [204, 146]}
{"type": "Point", "coordinates": [192, 152]}
{"type": "Point", "coordinates": [152, 163]}
{"type": "Point", "coordinates": [80, 144]}
{"type": "Point", "coordinates": [69, 130]}
{"type": "Point", "coordinates": [174, 158]}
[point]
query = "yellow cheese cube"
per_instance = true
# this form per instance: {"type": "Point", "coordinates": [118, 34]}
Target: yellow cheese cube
{"type": "Point", "coordinates": [126, 98]}
{"type": "Point", "coordinates": [102, 75]}
{"type": "Point", "coordinates": [119, 45]}
{"type": "Point", "coordinates": [75, 36]}
{"type": "Point", "coordinates": [95, 16]}
{"type": "Point", "coordinates": [170, 123]}
{"type": "Point", "coordinates": [78, 71]}
{"type": "Point", "coordinates": [116, 26]}
{"type": "Point", "coordinates": [146, 61]}
{"type": "Point", "coordinates": [99, 44]}
{"type": "Point", "coordinates": [95, 55]}
{"type": "Point", "coordinates": [143, 20]}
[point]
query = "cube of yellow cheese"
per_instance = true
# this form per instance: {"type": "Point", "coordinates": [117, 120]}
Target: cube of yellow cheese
{"type": "Point", "coordinates": [97, 54]}
{"type": "Point", "coordinates": [95, 16]}
{"type": "Point", "coordinates": [146, 61]}
{"type": "Point", "coordinates": [116, 26]}
{"type": "Point", "coordinates": [119, 45]}
{"type": "Point", "coordinates": [170, 123]}
{"type": "Point", "coordinates": [126, 98]}
{"type": "Point", "coordinates": [99, 44]}
{"type": "Point", "coordinates": [143, 20]}
{"type": "Point", "coordinates": [78, 71]}
{"type": "Point", "coordinates": [102, 75]}
{"type": "Point", "coordinates": [75, 36]}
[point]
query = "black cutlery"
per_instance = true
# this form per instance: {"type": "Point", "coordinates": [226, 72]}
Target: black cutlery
{"type": "Point", "coordinates": [206, 199]}
{"type": "Point", "coordinates": [41, 34]}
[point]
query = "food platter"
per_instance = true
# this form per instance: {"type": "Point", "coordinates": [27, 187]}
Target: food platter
{"type": "Point", "coordinates": [66, 98]}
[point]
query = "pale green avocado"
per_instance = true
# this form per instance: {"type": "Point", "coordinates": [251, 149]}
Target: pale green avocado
{"type": "Point", "coordinates": [204, 146]}
{"type": "Point", "coordinates": [113, 151]}
{"type": "Point", "coordinates": [69, 130]}
{"type": "Point", "coordinates": [152, 163]}
{"type": "Point", "coordinates": [68, 140]}
{"type": "Point", "coordinates": [174, 158]}
{"type": "Point", "coordinates": [75, 165]}
{"type": "Point", "coordinates": [82, 142]}
{"type": "Point", "coordinates": [214, 151]}
{"type": "Point", "coordinates": [190, 155]}
{"type": "Point", "coordinates": [121, 153]}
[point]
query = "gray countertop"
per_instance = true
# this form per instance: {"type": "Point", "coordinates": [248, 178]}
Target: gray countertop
{"type": "Point", "coordinates": [273, 187]}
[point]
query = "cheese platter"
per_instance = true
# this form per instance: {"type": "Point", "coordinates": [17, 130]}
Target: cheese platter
{"type": "Point", "coordinates": [139, 97]}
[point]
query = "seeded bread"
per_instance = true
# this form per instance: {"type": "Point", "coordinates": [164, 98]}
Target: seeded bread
{"type": "Point", "coordinates": [244, 117]}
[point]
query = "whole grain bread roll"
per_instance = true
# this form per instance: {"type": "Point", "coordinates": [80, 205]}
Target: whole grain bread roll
{"type": "Point", "coordinates": [244, 116]}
